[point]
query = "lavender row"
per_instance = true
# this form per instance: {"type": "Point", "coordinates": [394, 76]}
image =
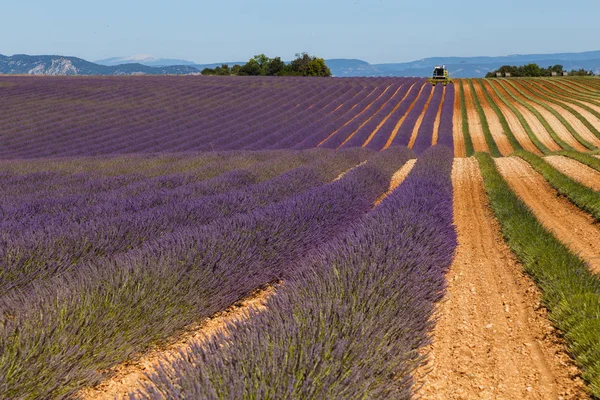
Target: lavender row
{"type": "Point", "coordinates": [389, 127]}
{"type": "Point", "coordinates": [445, 136]}
{"type": "Point", "coordinates": [425, 132]}
{"type": "Point", "coordinates": [65, 330]}
{"type": "Point", "coordinates": [42, 245]}
{"type": "Point", "coordinates": [117, 116]}
{"type": "Point", "coordinates": [350, 321]}
{"type": "Point", "coordinates": [404, 133]}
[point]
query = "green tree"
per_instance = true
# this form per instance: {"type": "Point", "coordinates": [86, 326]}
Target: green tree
{"type": "Point", "coordinates": [275, 67]}
{"type": "Point", "coordinates": [251, 68]}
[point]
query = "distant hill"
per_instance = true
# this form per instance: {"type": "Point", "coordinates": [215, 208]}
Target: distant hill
{"type": "Point", "coordinates": [459, 67]}
{"type": "Point", "coordinates": [61, 65]}
{"type": "Point", "coordinates": [463, 67]}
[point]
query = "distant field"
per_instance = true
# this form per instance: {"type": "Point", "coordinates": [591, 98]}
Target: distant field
{"type": "Point", "coordinates": [303, 238]}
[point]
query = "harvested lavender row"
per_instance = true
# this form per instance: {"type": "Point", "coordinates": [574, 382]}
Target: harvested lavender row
{"type": "Point", "coordinates": [348, 324]}
{"type": "Point", "coordinates": [65, 330]}
{"type": "Point", "coordinates": [60, 244]}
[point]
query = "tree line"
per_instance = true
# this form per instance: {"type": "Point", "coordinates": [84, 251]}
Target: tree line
{"type": "Point", "coordinates": [532, 70]}
{"type": "Point", "coordinates": [261, 65]}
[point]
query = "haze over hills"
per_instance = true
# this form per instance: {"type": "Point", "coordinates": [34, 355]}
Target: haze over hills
{"type": "Point", "coordinates": [459, 67]}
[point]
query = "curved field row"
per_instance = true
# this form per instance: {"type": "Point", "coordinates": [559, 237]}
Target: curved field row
{"type": "Point", "coordinates": [575, 228]}
{"type": "Point", "coordinates": [122, 115]}
{"type": "Point", "coordinates": [540, 115]}
{"type": "Point", "coordinates": [576, 170]}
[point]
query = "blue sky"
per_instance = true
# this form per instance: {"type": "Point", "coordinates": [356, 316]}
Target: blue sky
{"type": "Point", "coordinates": [234, 30]}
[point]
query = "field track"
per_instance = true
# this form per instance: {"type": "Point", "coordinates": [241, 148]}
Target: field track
{"type": "Point", "coordinates": [475, 129]}
{"type": "Point", "coordinates": [491, 340]}
{"type": "Point", "coordinates": [493, 122]}
{"type": "Point", "coordinates": [573, 227]}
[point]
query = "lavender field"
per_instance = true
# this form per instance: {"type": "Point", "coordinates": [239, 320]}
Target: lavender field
{"type": "Point", "coordinates": [132, 208]}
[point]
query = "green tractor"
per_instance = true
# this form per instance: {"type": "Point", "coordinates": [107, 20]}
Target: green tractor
{"type": "Point", "coordinates": [440, 75]}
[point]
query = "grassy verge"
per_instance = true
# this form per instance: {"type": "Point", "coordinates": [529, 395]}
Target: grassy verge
{"type": "Point", "coordinates": [538, 115]}
{"type": "Point", "coordinates": [484, 124]}
{"type": "Point", "coordinates": [583, 158]}
{"type": "Point", "coordinates": [558, 116]}
{"type": "Point", "coordinates": [465, 123]}
{"type": "Point", "coordinates": [522, 120]}
{"type": "Point", "coordinates": [581, 195]}
{"type": "Point", "coordinates": [570, 291]}
{"type": "Point", "coordinates": [507, 131]}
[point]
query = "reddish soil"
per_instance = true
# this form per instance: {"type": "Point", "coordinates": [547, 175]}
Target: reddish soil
{"type": "Point", "coordinates": [577, 171]}
{"type": "Point", "coordinates": [492, 339]}
{"type": "Point", "coordinates": [438, 116]}
{"type": "Point", "coordinates": [513, 122]}
{"type": "Point", "coordinates": [129, 376]}
{"type": "Point", "coordinates": [493, 122]}
{"type": "Point", "coordinates": [573, 227]}
{"type": "Point", "coordinates": [533, 121]}
{"type": "Point", "coordinates": [475, 129]}
{"type": "Point", "coordinates": [419, 121]}
{"type": "Point", "coordinates": [457, 133]}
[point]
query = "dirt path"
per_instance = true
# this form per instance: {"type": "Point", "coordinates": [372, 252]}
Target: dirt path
{"type": "Point", "coordinates": [581, 129]}
{"type": "Point", "coordinates": [513, 122]}
{"type": "Point", "coordinates": [129, 376]}
{"type": "Point", "coordinates": [493, 122]}
{"type": "Point", "coordinates": [577, 171]}
{"type": "Point", "coordinates": [533, 121]}
{"type": "Point", "coordinates": [554, 122]}
{"type": "Point", "coordinates": [477, 136]}
{"type": "Point", "coordinates": [438, 116]}
{"type": "Point", "coordinates": [493, 339]}
{"type": "Point", "coordinates": [457, 133]}
{"type": "Point", "coordinates": [575, 228]}
{"type": "Point", "coordinates": [397, 179]}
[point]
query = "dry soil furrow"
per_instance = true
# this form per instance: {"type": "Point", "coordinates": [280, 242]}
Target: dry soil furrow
{"type": "Point", "coordinates": [575, 228]}
{"type": "Point", "coordinates": [397, 179]}
{"type": "Point", "coordinates": [574, 91]}
{"type": "Point", "coordinates": [438, 116]}
{"type": "Point", "coordinates": [554, 122]}
{"type": "Point", "coordinates": [131, 375]}
{"type": "Point", "coordinates": [413, 135]}
{"type": "Point", "coordinates": [457, 133]}
{"type": "Point", "coordinates": [577, 171]}
{"type": "Point", "coordinates": [513, 122]}
{"type": "Point", "coordinates": [583, 131]}
{"type": "Point", "coordinates": [493, 122]}
{"type": "Point", "coordinates": [533, 121]}
{"type": "Point", "coordinates": [475, 129]}
{"type": "Point", "coordinates": [492, 340]}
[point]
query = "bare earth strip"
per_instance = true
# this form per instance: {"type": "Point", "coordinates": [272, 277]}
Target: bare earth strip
{"type": "Point", "coordinates": [492, 339]}
{"type": "Point", "coordinates": [494, 123]}
{"type": "Point", "coordinates": [513, 122]}
{"type": "Point", "coordinates": [436, 123]}
{"type": "Point", "coordinates": [533, 121]}
{"type": "Point", "coordinates": [560, 87]}
{"type": "Point", "coordinates": [397, 179]}
{"type": "Point", "coordinates": [130, 376]}
{"type": "Point", "coordinates": [575, 170]}
{"type": "Point", "coordinates": [554, 122]}
{"type": "Point", "coordinates": [575, 228]}
{"type": "Point", "coordinates": [457, 133]}
{"type": "Point", "coordinates": [475, 128]}
{"type": "Point", "coordinates": [583, 131]}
